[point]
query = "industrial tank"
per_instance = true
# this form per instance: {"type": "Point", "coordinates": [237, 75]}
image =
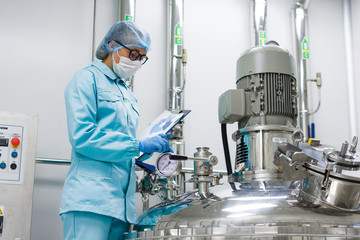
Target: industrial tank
{"type": "Point", "coordinates": [280, 187]}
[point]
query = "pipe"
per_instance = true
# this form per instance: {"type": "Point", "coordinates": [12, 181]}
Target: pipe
{"type": "Point", "coordinates": [127, 13]}
{"type": "Point", "coordinates": [349, 60]}
{"type": "Point", "coordinates": [175, 43]}
{"type": "Point", "coordinates": [93, 34]}
{"type": "Point", "coordinates": [203, 188]}
{"type": "Point", "coordinates": [177, 59]}
{"type": "Point", "coordinates": [300, 29]}
{"type": "Point", "coordinates": [127, 10]}
{"type": "Point", "coordinates": [53, 161]}
{"type": "Point", "coordinates": [259, 12]}
{"type": "Point", "coordinates": [191, 171]}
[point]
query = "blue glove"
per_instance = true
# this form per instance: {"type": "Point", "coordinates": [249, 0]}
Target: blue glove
{"type": "Point", "coordinates": [159, 143]}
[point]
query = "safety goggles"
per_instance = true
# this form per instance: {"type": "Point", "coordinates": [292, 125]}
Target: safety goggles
{"type": "Point", "coordinates": [134, 54]}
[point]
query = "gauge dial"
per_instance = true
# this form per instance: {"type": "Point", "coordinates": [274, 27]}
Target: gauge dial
{"type": "Point", "coordinates": [166, 166]}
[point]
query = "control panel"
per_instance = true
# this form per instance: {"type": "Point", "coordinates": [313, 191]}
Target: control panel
{"type": "Point", "coordinates": [10, 153]}
{"type": "Point", "coordinates": [18, 132]}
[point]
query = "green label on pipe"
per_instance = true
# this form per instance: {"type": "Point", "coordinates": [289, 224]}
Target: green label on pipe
{"type": "Point", "coordinates": [262, 38]}
{"type": "Point", "coordinates": [305, 49]}
{"type": "Point", "coordinates": [128, 18]}
{"type": "Point", "coordinates": [178, 34]}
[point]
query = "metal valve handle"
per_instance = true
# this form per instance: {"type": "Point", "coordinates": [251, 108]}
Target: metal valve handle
{"type": "Point", "coordinates": [213, 160]}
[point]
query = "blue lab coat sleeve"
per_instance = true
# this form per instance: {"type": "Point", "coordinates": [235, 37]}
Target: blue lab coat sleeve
{"type": "Point", "coordinates": [90, 137]}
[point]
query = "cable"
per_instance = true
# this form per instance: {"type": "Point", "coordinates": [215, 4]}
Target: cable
{"type": "Point", "coordinates": [226, 149]}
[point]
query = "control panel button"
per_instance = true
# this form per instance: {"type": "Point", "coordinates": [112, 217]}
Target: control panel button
{"type": "Point", "coordinates": [2, 165]}
{"type": "Point", "coordinates": [13, 166]}
{"type": "Point", "coordinates": [15, 142]}
{"type": "Point", "coordinates": [14, 154]}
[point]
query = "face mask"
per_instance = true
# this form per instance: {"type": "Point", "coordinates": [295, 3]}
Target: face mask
{"type": "Point", "coordinates": [125, 68]}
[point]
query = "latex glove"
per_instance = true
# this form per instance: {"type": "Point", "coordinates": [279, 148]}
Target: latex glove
{"type": "Point", "coordinates": [167, 136]}
{"type": "Point", "coordinates": [158, 143]}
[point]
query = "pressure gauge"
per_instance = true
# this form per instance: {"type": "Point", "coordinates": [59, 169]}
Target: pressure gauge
{"type": "Point", "coordinates": [167, 167]}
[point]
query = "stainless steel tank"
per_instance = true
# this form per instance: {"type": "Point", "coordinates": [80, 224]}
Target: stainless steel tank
{"type": "Point", "coordinates": [280, 188]}
{"type": "Point", "coordinates": [277, 208]}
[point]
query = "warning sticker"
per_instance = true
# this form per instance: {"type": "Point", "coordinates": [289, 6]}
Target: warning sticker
{"type": "Point", "coordinates": [262, 38]}
{"type": "Point", "coordinates": [129, 18]}
{"type": "Point", "coordinates": [1, 210]}
{"type": "Point", "coordinates": [305, 49]}
{"type": "Point", "coordinates": [178, 34]}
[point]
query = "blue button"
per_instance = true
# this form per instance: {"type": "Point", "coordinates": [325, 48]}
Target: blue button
{"type": "Point", "coordinates": [14, 154]}
{"type": "Point", "coordinates": [2, 165]}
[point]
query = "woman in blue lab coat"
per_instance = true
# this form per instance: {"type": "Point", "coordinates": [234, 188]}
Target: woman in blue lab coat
{"type": "Point", "coordinates": [98, 200]}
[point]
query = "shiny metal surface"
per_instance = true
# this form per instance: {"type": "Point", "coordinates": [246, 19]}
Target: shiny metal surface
{"type": "Point", "coordinates": [259, 12]}
{"type": "Point", "coordinates": [177, 144]}
{"type": "Point", "coordinates": [353, 146]}
{"type": "Point", "coordinates": [127, 13]}
{"type": "Point", "coordinates": [332, 186]}
{"type": "Point", "coordinates": [338, 193]}
{"type": "Point", "coordinates": [334, 181]}
{"type": "Point", "coordinates": [261, 147]}
{"type": "Point", "coordinates": [127, 10]}
{"type": "Point", "coordinates": [177, 59]}
{"type": "Point", "coordinates": [176, 71]}
{"type": "Point", "coordinates": [203, 170]}
{"type": "Point", "coordinates": [300, 30]}
{"type": "Point", "coordinates": [350, 67]}
{"type": "Point", "coordinates": [272, 211]}
{"type": "Point", "coordinates": [341, 157]}
{"type": "Point", "coordinates": [322, 203]}
{"type": "Point", "coordinates": [53, 161]}
{"type": "Point", "coordinates": [281, 188]}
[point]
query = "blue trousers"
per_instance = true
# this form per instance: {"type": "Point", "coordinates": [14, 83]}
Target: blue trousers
{"type": "Point", "coordinates": [86, 225]}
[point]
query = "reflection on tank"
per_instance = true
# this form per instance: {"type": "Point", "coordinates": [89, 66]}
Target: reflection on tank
{"type": "Point", "coordinates": [281, 186]}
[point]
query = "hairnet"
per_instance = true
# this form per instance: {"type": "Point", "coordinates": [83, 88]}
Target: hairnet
{"type": "Point", "coordinates": [127, 33]}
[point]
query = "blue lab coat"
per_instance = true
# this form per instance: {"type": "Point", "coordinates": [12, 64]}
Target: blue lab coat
{"type": "Point", "coordinates": [102, 118]}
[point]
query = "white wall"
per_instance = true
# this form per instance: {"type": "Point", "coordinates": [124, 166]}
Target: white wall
{"type": "Point", "coordinates": [327, 55]}
{"type": "Point", "coordinates": [355, 6]}
{"type": "Point", "coordinates": [43, 42]}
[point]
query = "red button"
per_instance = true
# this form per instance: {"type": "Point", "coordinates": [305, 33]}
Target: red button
{"type": "Point", "coordinates": [15, 142]}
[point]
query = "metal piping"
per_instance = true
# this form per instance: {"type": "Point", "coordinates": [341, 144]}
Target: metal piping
{"type": "Point", "coordinates": [349, 60]}
{"type": "Point", "coordinates": [53, 161]}
{"type": "Point", "coordinates": [259, 12]}
{"type": "Point", "coordinates": [127, 10]}
{"type": "Point", "coordinates": [176, 55]}
{"type": "Point", "coordinates": [300, 29]}
{"type": "Point", "coordinates": [93, 34]}
{"type": "Point", "coordinates": [177, 59]}
{"type": "Point", "coordinates": [127, 13]}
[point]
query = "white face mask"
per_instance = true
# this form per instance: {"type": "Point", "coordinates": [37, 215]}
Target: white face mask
{"type": "Point", "coordinates": [125, 68]}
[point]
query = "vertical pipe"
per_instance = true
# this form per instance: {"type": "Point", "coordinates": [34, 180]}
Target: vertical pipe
{"type": "Point", "coordinates": [127, 13]}
{"type": "Point", "coordinates": [175, 42]}
{"type": "Point", "coordinates": [259, 12]}
{"type": "Point", "coordinates": [300, 29]}
{"type": "Point", "coordinates": [349, 60]}
{"type": "Point", "coordinates": [93, 33]}
{"type": "Point", "coordinates": [176, 76]}
{"type": "Point", "coordinates": [127, 10]}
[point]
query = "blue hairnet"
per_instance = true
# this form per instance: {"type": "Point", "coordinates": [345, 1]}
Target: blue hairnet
{"type": "Point", "coordinates": [127, 33]}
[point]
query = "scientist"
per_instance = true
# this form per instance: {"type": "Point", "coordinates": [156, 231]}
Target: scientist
{"type": "Point", "coordinates": [98, 199]}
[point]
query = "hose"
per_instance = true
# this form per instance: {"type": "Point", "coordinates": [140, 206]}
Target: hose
{"type": "Point", "coordinates": [226, 149]}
